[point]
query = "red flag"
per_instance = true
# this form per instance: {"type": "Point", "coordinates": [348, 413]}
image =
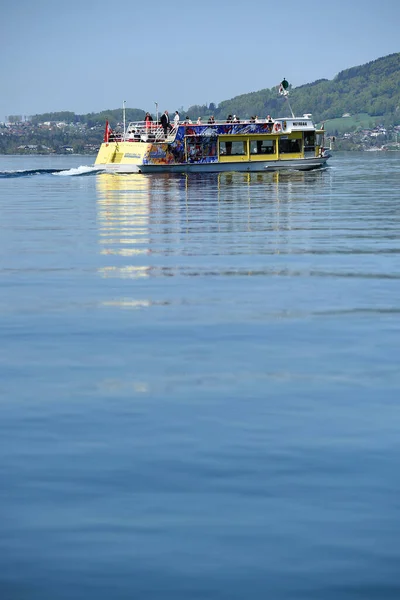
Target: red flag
{"type": "Point", "coordinates": [107, 132]}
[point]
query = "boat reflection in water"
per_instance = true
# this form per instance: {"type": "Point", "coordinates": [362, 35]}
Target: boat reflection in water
{"type": "Point", "coordinates": [167, 225]}
{"type": "Point", "coordinates": [123, 214]}
{"type": "Point", "coordinates": [135, 214]}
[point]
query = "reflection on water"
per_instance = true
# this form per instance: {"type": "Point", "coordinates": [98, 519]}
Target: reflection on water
{"type": "Point", "coordinates": [123, 210]}
{"type": "Point", "coordinates": [123, 216]}
{"type": "Point", "coordinates": [132, 208]}
{"type": "Point", "coordinates": [162, 226]}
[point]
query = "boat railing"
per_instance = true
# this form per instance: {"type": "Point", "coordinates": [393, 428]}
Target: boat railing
{"type": "Point", "coordinates": [151, 131]}
{"type": "Point", "coordinates": [148, 131]}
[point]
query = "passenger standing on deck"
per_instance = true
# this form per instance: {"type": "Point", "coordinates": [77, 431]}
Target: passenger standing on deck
{"type": "Point", "coordinates": [198, 121]}
{"type": "Point", "coordinates": [176, 119]}
{"type": "Point", "coordinates": [148, 119]}
{"type": "Point", "coordinates": [166, 125]}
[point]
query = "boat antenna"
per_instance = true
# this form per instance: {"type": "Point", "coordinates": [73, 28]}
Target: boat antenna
{"type": "Point", "coordinates": [123, 115]}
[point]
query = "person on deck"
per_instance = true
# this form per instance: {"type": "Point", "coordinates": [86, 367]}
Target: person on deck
{"type": "Point", "coordinates": [165, 123]}
{"type": "Point", "coordinates": [176, 119]}
{"type": "Point", "coordinates": [148, 120]}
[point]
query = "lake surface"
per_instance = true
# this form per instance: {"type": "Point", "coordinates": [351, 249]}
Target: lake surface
{"type": "Point", "coordinates": [200, 383]}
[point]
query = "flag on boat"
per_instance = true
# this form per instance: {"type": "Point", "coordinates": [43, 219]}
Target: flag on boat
{"type": "Point", "coordinates": [107, 132]}
{"type": "Point", "coordinates": [283, 87]}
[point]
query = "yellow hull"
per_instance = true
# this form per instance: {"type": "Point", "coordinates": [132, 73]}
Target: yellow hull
{"type": "Point", "coordinates": [126, 154]}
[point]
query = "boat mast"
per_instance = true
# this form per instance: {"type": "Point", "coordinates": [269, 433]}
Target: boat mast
{"type": "Point", "coordinates": [123, 115]}
{"type": "Point", "coordinates": [283, 90]}
{"type": "Point", "coordinates": [290, 108]}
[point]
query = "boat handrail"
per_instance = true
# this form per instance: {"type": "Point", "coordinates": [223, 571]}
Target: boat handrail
{"type": "Point", "coordinates": [148, 131]}
{"type": "Point", "coordinates": [151, 131]}
{"type": "Point", "coordinates": [154, 127]}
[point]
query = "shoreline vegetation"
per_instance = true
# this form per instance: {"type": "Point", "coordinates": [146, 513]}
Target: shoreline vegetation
{"type": "Point", "coordinates": [359, 110]}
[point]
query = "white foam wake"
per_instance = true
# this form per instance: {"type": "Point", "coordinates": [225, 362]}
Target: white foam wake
{"type": "Point", "coordinates": [82, 170]}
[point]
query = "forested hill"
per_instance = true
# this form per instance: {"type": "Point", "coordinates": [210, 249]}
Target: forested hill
{"type": "Point", "coordinates": [373, 88]}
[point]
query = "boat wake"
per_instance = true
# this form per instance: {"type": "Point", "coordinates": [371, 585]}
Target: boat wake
{"type": "Point", "coordinates": [78, 171]}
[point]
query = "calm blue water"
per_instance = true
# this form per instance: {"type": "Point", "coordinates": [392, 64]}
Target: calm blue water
{"type": "Point", "coordinates": [200, 383]}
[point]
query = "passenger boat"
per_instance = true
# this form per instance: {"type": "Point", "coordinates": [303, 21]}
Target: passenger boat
{"type": "Point", "coordinates": [251, 146]}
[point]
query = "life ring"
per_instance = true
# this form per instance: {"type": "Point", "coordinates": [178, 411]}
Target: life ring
{"type": "Point", "coordinates": [277, 127]}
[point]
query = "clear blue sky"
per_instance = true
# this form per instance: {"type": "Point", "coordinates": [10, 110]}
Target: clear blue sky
{"type": "Point", "coordinates": [91, 55]}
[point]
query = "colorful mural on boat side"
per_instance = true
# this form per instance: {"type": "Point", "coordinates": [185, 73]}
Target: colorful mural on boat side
{"type": "Point", "coordinates": [201, 143]}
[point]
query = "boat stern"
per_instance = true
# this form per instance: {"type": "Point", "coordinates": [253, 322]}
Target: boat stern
{"type": "Point", "coordinates": [124, 157]}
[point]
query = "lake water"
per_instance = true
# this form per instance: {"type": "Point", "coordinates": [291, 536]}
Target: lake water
{"type": "Point", "coordinates": [200, 383]}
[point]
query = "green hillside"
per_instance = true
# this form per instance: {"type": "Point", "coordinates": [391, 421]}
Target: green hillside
{"type": "Point", "coordinates": [373, 88]}
{"type": "Point", "coordinates": [354, 122]}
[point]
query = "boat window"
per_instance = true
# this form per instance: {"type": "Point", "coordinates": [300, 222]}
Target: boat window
{"type": "Point", "coordinates": [199, 148]}
{"type": "Point", "coordinates": [287, 146]}
{"type": "Point", "coordinates": [262, 146]}
{"type": "Point", "coordinates": [232, 148]}
{"type": "Point", "coordinates": [309, 141]}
